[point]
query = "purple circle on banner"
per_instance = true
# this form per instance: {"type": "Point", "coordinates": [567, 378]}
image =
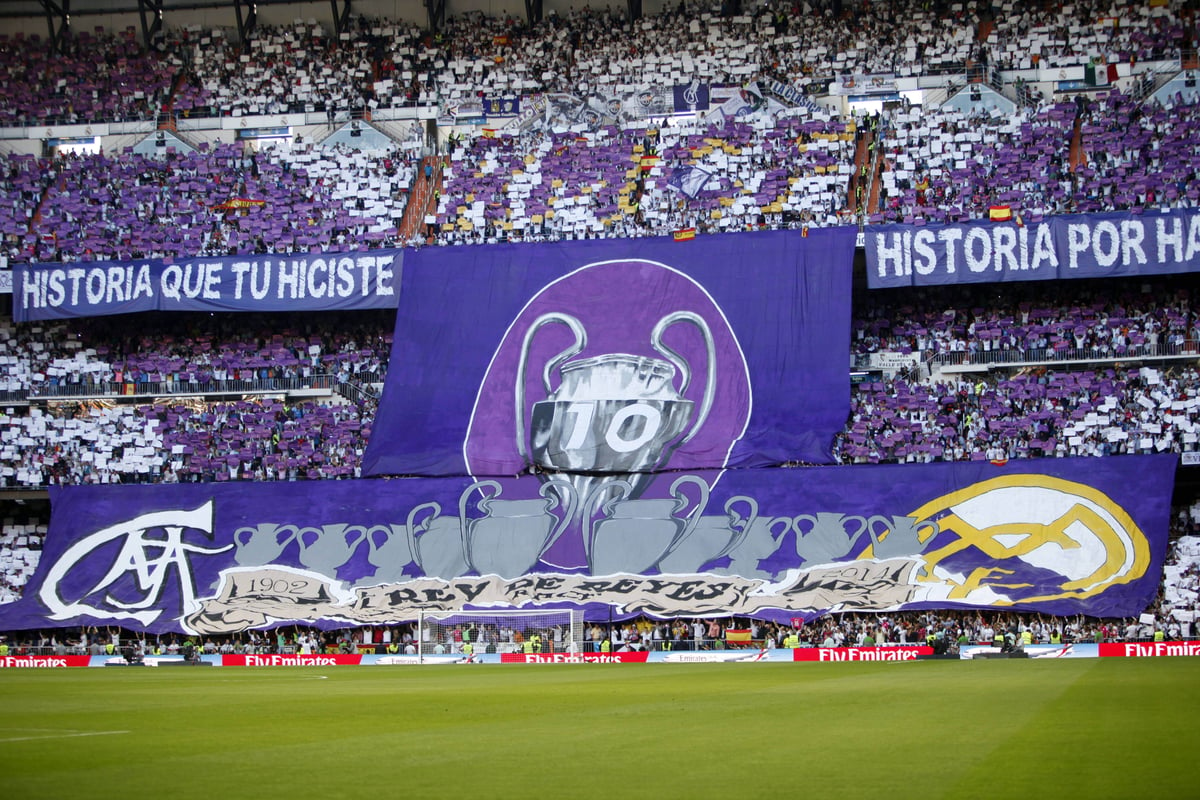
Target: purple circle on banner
{"type": "Point", "coordinates": [622, 369]}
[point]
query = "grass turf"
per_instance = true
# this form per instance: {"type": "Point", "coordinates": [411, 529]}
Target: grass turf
{"type": "Point", "coordinates": [1087, 727]}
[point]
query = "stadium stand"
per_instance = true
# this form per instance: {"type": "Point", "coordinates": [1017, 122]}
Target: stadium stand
{"type": "Point", "coordinates": [276, 70]}
{"type": "Point", "coordinates": [1085, 322]}
{"type": "Point", "coordinates": [574, 187]}
{"type": "Point", "coordinates": [1033, 414]}
{"type": "Point", "coordinates": [83, 77]}
{"type": "Point", "coordinates": [326, 197]}
{"type": "Point", "coordinates": [1111, 32]}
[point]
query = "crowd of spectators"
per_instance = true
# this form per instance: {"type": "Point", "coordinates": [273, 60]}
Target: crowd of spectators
{"type": "Point", "coordinates": [791, 171]}
{"type": "Point", "coordinates": [223, 201]}
{"type": "Point", "coordinates": [173, 353]}
{"type": "Point", "coordinates": [1136, 155]}
{"type": "Point", "coordinates": [945, 631]}
{"type": "Point", "coordinates": [947, 164]}
{"type": "Point", "coordinates": [98, 442]}
{"type": "Point", "coordinates": [628, 183]}
{"type": "Point", "coordinates": [1180, 597]}
{"type": "Point", "coordinates": [383, 63]}
{"type": "Point", "coordinates": [282, 69]}
{"type": "Point", "coordinates": [1026, 35]}
{"type": "Point", "coordinates": [378, 63]}
{"type": "Point", "coordinates": [20, 551]}
{"type": "Point", "coordinates": [84, 77]}
{"type": "Point", "coordinates": [787, 171]}
{"type": "Point", "coordinates": [90, 436]}
{"type": "Point", "coordinates": [790, 168]}
{"type": "Point", "coordinates": [1037, 413]}
{"type": "Point", "coordinates": [1089, 320]}
{"type": "Point", "coordinates": [263, 440]}
{"type": "Point", "coordinates": [1081, 400]}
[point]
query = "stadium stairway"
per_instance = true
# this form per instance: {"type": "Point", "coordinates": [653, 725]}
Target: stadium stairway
{"type": "Point", "coordinates": [984, 30]}
{"type": "Point", "coordinates": [875, 185]}
{"type": "Point", "coordinates": [166, 122]}
{"type": "Point", "coordinates": [421, 200]}
{"type": "Point", "coordinates": [856, 191]}
{"type": "Point", "coordinates": [36, 217]}
{"type": "Point", "coordinates": [1077, 157]}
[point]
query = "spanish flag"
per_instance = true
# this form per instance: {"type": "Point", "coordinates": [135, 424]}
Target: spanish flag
{"type": "Point", "coordinates": [1000, 213]}
{"type": "Point", "coordinates": [239, 202]}
{"type": "Point", "coordinates": [685, 234]}
{"type": "Point", "coordinates": [489, 133]}
{"type": "Point", "coordinates": [649, 162]}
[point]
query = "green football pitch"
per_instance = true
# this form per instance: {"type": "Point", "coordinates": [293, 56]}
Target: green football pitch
{"type": "Point", "coordinates": [1114, 728]}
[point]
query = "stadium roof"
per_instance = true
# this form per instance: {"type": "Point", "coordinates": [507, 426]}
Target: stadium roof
{"type": "Point", "coordinates": [39, 8]}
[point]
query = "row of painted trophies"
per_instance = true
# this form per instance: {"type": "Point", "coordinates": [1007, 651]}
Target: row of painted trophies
{"type": "Point", "coordinates": [621, 534]}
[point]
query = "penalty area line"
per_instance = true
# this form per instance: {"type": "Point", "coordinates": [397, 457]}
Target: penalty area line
{"type": "Point", "coordinates": [72, 735]}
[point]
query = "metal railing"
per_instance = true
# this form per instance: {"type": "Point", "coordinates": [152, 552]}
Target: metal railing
{"type": "Point", "coordinates": [1154, 78]}
{"type": "Point", "coordinates": [116, 389]}
{"type": "Point", "coordinates": [357, 392]}
{"type": "Point", "coordinates": [1050, 355]}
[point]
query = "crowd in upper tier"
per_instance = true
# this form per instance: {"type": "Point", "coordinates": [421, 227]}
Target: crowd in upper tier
{"type": "Point", "coordinates": [371, 64]}
{"type": "Point", "coordinates": [790, 163]}
{"type": "Point", "coordinates": [945, 165]}
{"type": "Point", "coordinates": [222, 201]}
{"type": "Point", "coordinates": [790, 171]}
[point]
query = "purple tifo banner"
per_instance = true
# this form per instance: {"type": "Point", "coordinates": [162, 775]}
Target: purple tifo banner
{"type": "Point", "coordinates": [690, 97]}
{"type": "Point", "coordinates": [1060, 536]}
{"type": "Point", "coordinates": [324, 281]}
{"type": "Point", "coordinates": [618, 356]}
{"type": "Point", "coordinates": [1059, 247]}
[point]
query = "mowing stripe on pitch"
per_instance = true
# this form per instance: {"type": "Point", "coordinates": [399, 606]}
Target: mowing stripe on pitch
{"type": "Point", "coordinates": [60, 735]}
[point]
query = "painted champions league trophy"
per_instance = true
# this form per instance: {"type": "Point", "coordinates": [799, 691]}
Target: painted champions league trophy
{"type": "Point", "coordinates": [613, 417]}
{"type": "Point", "coordinates": [612, 422]}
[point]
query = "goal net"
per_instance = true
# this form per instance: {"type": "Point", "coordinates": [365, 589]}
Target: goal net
{"type": "Point", "coordinates": [500, 631]}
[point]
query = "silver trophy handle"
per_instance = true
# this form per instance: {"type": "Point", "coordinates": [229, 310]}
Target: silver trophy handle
{"type": "Point", "coordinates": [871, 522]}
{"type": "Point", "coordinates": [580, 342]}
{"type": "Point", "coordinates": [410, 527]}
{"type": "Point", "coordinates": [623, 490]}
{"type": "Point", "coordinates": [549, 492]}
{"type": "Point", "coordinates": [681, 501]}
{"type": "Point", "coordinates": [710, 351]}
{"type": "Point", "coordinates": [739, 535]}
{"type": "Point", "coordinates": [463, 527]}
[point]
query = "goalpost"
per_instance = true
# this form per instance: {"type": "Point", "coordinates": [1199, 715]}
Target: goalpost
{"type": "Point", "coordinates": [499, 631]}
